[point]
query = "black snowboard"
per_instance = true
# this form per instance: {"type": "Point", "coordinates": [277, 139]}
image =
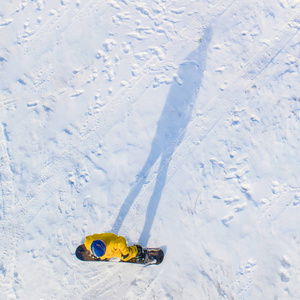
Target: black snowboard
{"type": "Point", "coordinates": [153, 256]}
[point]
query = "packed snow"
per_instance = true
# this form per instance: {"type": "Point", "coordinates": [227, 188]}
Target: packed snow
{"type": "Point", "coordinates": [175, 124]}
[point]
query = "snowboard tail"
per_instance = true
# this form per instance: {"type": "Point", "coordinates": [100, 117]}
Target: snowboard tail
{"type": "Point", "coordinates": [153, 256]}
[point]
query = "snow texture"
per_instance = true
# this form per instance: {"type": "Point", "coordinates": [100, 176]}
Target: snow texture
{"type": "Point", "coordinates": [173, 123]}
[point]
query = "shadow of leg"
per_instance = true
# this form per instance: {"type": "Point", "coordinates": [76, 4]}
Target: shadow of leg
{"type": "Point", "coordinates": [135, 190]}
{"type": "Point", "coordinates": [171, 127]}
{"type": "Point", "coordinates": [155, 198]}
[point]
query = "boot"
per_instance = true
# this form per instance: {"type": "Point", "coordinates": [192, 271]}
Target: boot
{"type": "Point", "coordinates": [140, 257]}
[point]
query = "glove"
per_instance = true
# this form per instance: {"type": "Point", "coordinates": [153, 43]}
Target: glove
{"type": "Point", "coordinates": [124, 256]}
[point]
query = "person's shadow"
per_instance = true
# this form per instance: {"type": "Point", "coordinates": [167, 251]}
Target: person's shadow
{"type": "Point", "coordinates": [171, 127]}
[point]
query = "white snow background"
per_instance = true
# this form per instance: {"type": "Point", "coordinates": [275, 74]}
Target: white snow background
{"type": "Point", "coordinates": [173, 123]}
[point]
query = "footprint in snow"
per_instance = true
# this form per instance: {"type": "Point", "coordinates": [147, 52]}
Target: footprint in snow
{"type": "Point", "coordinates": [284, 272]}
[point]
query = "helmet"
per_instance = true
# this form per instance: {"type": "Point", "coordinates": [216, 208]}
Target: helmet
{"type": "Point", "coordinates": [98, 248]}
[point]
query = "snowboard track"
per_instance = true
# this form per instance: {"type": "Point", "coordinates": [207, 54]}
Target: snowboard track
{"type": "Point", "coordinates": [8, 227]}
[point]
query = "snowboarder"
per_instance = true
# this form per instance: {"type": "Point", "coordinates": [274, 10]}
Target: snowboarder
{"type": "Point", "coordinates": [108, 245]}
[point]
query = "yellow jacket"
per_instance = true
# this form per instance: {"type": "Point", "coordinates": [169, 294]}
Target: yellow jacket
{"type": "Point", "coordinates": [116, 246]}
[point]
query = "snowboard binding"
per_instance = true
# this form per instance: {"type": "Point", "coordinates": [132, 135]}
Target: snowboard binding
{"type": "Point", "coordinates": [140, 257]}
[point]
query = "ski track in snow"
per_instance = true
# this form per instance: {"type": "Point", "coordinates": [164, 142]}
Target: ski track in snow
{"type": "Point", "coordinates": [18, 214]}
{"type": "Point", "coordinates": [133, 276]}
{"type": "Point", "coordinates": [8, 226]}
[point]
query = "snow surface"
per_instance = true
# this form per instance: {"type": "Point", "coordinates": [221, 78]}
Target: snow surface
{"type": "Point", "coordinates": [173, 123]}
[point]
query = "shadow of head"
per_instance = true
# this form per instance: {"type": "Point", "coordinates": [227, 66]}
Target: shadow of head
{"type": "Point", "coordinates": [191, 70]}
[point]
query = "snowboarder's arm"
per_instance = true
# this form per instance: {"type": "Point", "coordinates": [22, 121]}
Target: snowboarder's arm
{"type": "Point", "coordinates": [121, 245]}
{"type": "Point", "coordinates": [126, 252]}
